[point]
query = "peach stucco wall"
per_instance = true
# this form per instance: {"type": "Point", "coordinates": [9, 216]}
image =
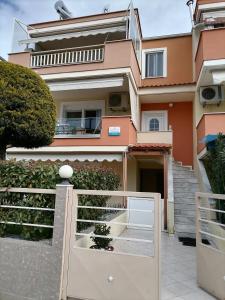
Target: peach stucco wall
{"type": "Point", "coordinates": [211, 46]}
{"type": "Point", "coordinates": [180, 117]}
{"type": "Point", "coordinates": [179, 51]}
{"type": "Point", "coordinates": [212, 123]}
{"type": "Point", "coordinates": [127, 134]}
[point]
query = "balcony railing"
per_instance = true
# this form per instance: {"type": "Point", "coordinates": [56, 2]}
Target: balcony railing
{"type": "Point", "coordinates": [67, 56]}
{"type": "Point", "coordinates": [78, 126]}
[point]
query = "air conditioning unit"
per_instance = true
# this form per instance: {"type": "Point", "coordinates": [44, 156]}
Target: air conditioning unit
{"type": "Point", "coordinates": [118, 102]}
{"type": "Point", "coordinates": [212, 94]}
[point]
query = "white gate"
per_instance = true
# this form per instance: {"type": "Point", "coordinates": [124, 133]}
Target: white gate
{"type": "Point", "coordinates": [210, 240]}
{"type": "Point", "coordinates": [132, 270]}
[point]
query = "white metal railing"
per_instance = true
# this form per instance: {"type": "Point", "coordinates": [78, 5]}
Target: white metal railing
{"type": "Point", "coordinates": [6, 205]}
{"type": "Point", "coordinates": [75, 126]}
{"type": "Point", "coordinates": [78, 55]}
{"type": "Point", "coordinates": [123, 222]}
{"type": "Point", "coordinates": [210, 221]}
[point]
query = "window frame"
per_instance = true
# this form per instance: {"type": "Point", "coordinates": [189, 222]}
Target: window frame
{"type": "Point", "coordinates": [154, 50]}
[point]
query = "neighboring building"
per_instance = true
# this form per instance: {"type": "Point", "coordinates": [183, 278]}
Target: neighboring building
{"type": "Point", "coordinates": [135, 104]}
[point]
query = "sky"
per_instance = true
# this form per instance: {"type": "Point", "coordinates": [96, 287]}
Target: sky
{"type": "Point", "coordinates": [158, 17]}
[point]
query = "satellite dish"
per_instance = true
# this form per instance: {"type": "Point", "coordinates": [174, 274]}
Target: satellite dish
{"type": "Point", "coordinates": [62, 10]}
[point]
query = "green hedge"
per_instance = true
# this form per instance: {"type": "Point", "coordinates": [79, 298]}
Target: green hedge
{"type": "Point", "coordinates": [45, 175]}
{"type": "Point", "coordinates": [215, 169]}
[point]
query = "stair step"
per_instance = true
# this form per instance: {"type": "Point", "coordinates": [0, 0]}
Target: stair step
{"type": "Point", "coordinates": [185, 186]}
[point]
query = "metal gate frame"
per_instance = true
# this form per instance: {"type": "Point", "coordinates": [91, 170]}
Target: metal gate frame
{"type": "Point", "coordinates": [210, 258]}
{"type": "Point", "coordinates": [87, 273]}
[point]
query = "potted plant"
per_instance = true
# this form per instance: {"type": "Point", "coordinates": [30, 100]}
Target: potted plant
{"type": "Point", "coordinates": [101, 243]}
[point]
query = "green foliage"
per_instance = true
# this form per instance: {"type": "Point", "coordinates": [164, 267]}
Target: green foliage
{"type": "Point", "coordinates": [45, 175]}
{"type": "Point", "coordinates": [101, 229]}
{"type": "Point", "coordinates": [27, 109]}
{"type": "Point", "coordinates": [215, 168]}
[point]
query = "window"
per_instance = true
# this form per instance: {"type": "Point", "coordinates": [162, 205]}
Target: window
{"type": "Point", "coordinates": [154, 63]}
{"type": "Point", "coordinates": [154, 125]}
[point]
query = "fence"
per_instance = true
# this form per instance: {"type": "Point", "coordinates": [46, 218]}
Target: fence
{"type": "Point", "coordinates": [210, 240]}
{"type": "Point", "coordinates": [78, 55]}
{"type": "Point", "coordinates": [49, 268]}
{"type": "Point", "coordinates": [31, 269]}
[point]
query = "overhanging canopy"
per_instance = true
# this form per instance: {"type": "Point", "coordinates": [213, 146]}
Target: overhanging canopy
{"type": "Point", "coordinates": [73, 35]}
{"type": "Point", "coordinates": [66, 156]}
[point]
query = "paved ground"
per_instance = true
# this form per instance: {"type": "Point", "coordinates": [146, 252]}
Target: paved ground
{"type": "Point", "coordinates": [178, 265]}
{"type": "Point", "coordinates": [179, 272]}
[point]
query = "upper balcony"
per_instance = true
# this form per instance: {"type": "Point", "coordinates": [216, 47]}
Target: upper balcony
{"type": "Point", "coordinates": [111, 55]}
{"type": "Point", "coordinates": [210, 55]}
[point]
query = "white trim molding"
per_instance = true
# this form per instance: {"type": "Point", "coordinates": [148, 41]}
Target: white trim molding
{"type": "Point", "coordinates": [154, 50]}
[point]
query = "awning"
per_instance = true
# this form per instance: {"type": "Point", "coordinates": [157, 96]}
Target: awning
{"type": "Point", "coordinates": [73, 153]}
{"type": "Point", "coordinates": [218, 76]}
{"type": "Point", "coordinates": [66, 156]}
{"type": "Point", "coordinates": [209, 138]}
{"type": "Point", "coordinates": [73, 35]}
{"type": "Point", "coordinates": [86, 84]}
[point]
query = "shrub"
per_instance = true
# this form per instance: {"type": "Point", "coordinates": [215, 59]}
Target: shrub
{"type": "Point", "coordinates": [215, 168]}
{"type": "Point", "coordinates": [45, 175]}
{"type": "Point", "coordinates": [27, 109]}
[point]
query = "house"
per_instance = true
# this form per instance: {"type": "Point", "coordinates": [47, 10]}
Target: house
{"type": "Point", "coordinates": [142, 106]}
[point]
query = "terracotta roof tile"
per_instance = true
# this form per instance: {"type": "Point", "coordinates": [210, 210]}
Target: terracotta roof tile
{"type": "Point", "coordinates": [149, 147]}
{"type": "Point", "coordinates": [147, 84]}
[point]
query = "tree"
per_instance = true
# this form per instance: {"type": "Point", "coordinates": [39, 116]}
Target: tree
{"type": "Point", "coordinates": [27, 109]}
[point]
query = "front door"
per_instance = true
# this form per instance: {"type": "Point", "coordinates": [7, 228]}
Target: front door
{"type": "Point", "coordinates": [154, 121]}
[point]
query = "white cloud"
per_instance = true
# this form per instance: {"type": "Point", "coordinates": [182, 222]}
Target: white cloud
{"type": "Point", "coordinates": [158, 17]}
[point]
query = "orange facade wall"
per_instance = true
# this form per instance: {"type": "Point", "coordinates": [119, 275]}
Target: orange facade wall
{"type": "Point", "coordinates": [212, 123]}
{"type": "Point", "coordinates": [127, 134]}
{"type": "Point", "coordinates": [179, 60]}
{"type": "Point", "coordinates": [180, 118]}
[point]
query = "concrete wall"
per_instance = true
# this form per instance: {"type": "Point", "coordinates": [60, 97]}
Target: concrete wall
{"type": "Point", "coordinates": [32, 270]}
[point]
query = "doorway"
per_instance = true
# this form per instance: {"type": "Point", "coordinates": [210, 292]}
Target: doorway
{"type": "Point", "coordinates": [152, 180]}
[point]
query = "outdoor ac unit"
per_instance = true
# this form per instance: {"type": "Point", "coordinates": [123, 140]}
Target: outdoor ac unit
{"type": "Point", "coordinates": [211, 94]}
{"type": "Point", "coordinates": [118, 102]}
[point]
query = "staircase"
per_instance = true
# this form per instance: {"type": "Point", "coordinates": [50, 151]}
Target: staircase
{"type": "Point", "coordinates": [185, 186]}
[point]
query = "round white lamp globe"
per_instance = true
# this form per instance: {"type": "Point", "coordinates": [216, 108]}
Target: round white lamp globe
{"type": "Point", "coordinates": [65, 172]}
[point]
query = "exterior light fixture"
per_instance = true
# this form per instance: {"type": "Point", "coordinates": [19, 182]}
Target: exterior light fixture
{"type": "Point", "coordinates": [170, 104]}
{"type": "Point", "coordinates": [65, 172]}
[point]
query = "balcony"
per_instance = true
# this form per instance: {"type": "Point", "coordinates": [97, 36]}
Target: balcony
{"type": "Point", "coordinates": [95, 132]}
{"type": "Point", "coordinates": [84, 55]}
{"type": "Point", "coordinates": [210, 124]}
{"type": "Point", "coordinates": [111, 55]}
{"type": "Point", "coordinates": [155, 137]}
{"type": "Point", "coordinates": [78, 127]}
{"type": "Point", "coordinates": [211, 47]}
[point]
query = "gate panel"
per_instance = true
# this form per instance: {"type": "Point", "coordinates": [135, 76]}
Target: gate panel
{"type": "Point", "coordinates": [210, 240]}
{"type": "Point", "coordinates": [131, 271]}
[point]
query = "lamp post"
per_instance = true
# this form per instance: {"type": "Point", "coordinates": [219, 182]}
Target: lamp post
{"type": "Point", "coordinates": [65, 172]}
